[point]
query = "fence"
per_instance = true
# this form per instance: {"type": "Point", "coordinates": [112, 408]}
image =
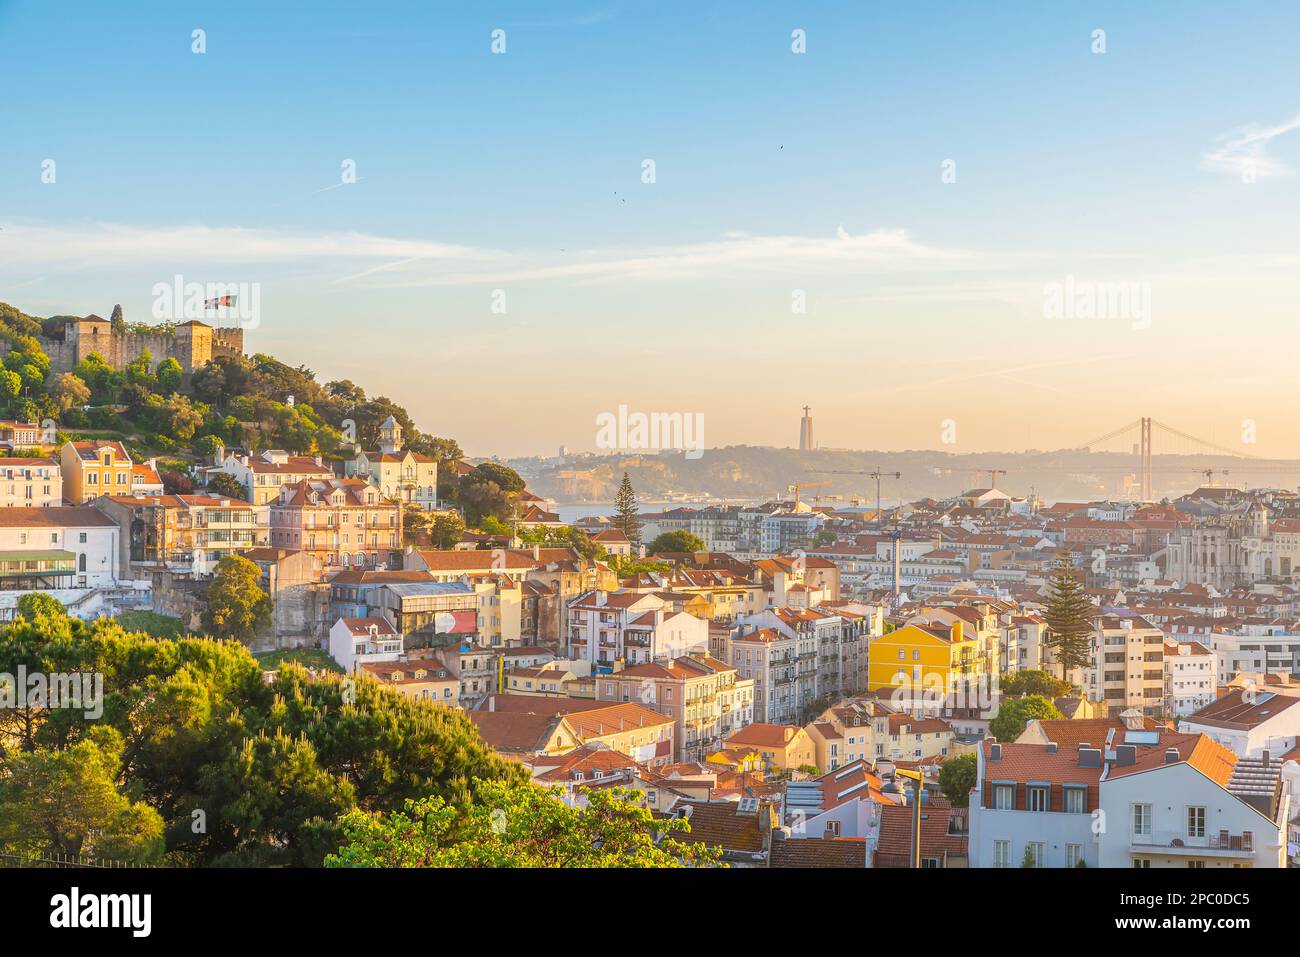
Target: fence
{"type": "Point", "coordinates": [62, 860]}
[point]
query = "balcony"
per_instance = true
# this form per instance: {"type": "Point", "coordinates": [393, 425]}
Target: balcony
{"type": "Point", "coordinates": [1178, 843]}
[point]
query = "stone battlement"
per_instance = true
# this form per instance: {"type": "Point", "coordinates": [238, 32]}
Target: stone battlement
{"type": "Point", "coordinates": [193, 344]}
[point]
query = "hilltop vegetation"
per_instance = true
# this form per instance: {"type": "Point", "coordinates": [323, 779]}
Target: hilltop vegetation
{"type": "Point", "coordinates": [243, 401]}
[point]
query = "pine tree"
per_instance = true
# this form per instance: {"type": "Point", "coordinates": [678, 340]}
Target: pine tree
{"type": "Point", "coordinates": [1069, 617]}
{"type": "Point", "coordinates": [625, 517]}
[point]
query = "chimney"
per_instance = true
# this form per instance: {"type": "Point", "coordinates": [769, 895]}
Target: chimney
{"type": "Point", "coordinates": [995, 752]}
{"type": "Point", "coordinates": [537, 552]}
{"type": "Point", "coordinates": [1051, 747]}
{"type": "Point", "coordinates": [1264, 756]}
{"type": "Point", "coordinates": [789, 734]}
{"type": "Point", "coordinates": [1090, 757]}
{"type": "Point", "coordinates": [1172, 756]}
{"type": "Point", "coordinates": [954, 631]}
{"type": "Point", "coordinates": [1126, 755]}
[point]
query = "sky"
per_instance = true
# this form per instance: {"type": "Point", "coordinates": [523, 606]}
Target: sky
{"type": "Point", "coordinates": [668, 207]}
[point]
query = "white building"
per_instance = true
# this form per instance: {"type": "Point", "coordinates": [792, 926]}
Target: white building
{"type": "Point", "coordinates": [606, 627]}
{"type": "Point", "coordinates": [1140, 798]}
{"type": "Point", "coordinates": [1189, 677]}
{"type": "Point", "coordinates": [1248, 721]}
{"type": "Point", "coordinates": [357, 641]}
{"type": "Point", "coordinates": [30, 483]}
{"type": "Point", "coordinates": [58, 547]}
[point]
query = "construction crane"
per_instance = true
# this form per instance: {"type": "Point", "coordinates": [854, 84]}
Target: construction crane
{"type": "Point", "coordinates": [875, 474]}
{"type": "Point", "coordinates": [798, 487]}
{"type": "Point", "coordinates": [1210, 473]}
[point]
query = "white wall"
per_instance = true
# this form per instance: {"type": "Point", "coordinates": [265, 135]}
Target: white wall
{"type": "Point", "coordinates": [1170, 790]}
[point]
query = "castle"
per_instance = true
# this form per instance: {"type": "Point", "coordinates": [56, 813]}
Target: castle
{"type": "Point", "coordinates": [193, 344]}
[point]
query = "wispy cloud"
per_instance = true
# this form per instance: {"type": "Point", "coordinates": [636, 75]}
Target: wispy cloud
{"type": "Point", "coordinates": [1243, 152]}
{"type": "Point", "coordinates": [374, 261]}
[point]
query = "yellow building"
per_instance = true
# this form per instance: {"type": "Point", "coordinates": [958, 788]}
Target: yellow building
{"type": "Point", "coordinates": [92, 469]}
{"type": "Point", "coordinates": [921, 656]}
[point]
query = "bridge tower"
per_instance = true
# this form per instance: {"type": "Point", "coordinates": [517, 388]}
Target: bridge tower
{"type": "Point", "coordinates": [1147, 490]}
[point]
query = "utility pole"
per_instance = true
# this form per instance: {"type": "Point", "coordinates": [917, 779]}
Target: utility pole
{"type": "Point", "coordinates": [918, 785]}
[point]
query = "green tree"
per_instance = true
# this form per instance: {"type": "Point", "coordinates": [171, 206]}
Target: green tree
{"type": "Point", "coordinates": [221, 483]}
{"type": "Point", "coordinates": [1036, 682]}
{"type": "Point", "coordinates": [956, 778]}
{"type": "Point", "coordinates": [37, 605]}
{"type": "Point", "coordinates": [237, 607]}
{"type": "Point", "coordinates": [678, 541]}
{"type": "Point", "coordinates": [169, 376]}
{"type": "Point", "coordinates": [1069, 617]}
{"type": "Point", "coordinates": [67, 802]}
{"type": "Point", "coordinates": [1015, 713]}
{"type": "Point", "coordinates": [521, 825]}
{"type": "Point", "coordinates": [625, 512]}
{"type": "Point", "coordinates": [68, 390]}
{"type": "Point", "coordinates": [446, 530]}
{"type": "Point", "coordinates": [492, 525]}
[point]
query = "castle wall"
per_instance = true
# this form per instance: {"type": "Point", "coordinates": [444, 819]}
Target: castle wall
{"type": "Point", "coordinates": [193, 346]}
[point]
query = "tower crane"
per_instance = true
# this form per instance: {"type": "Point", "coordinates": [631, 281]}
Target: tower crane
{"type": "Point", "coordinates": [875, 474]}
{"type": "Point", "coordinates": [798, 487]}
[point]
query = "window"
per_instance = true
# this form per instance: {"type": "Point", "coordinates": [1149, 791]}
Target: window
{"type": "Point", "coordinates": [1195, 863]}
{"type": "Point", "coordinates": [1037, 797]}
{"type": "Point", "coordinates": [1001, 853]}
{"type": "Point", "coordinates": [1034, 853]}
{"type": "Point", "coordinates": [1142, 820]}
{"type": "Point", "coordinates": [1196, 822]}
{"type": "Point", "coordinates": [1073, 854]}
{"type": "Point", "coordinates": [1075, 800]}
{"type": "Point", "coordinates": [1002, 796]}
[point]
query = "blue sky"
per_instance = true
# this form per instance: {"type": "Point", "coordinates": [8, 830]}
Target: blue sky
{"type": "Point", "coordinates": [775, 172]}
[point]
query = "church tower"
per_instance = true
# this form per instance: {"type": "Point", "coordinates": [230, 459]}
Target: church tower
{"type": "Point", "coordinates": [390, 437]}
{"type": "Point", "coordinates": [1259, 521]}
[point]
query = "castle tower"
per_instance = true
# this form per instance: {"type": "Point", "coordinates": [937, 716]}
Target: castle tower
{"type": "Point", "coordinates": [390, 436]}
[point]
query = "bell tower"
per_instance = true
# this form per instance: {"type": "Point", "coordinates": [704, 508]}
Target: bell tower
{"type": "Point", "coordinates": [390, 436]}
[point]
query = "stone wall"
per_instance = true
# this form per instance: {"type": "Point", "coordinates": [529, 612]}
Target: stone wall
{"type": "Point", "coordinates": [193, 345]}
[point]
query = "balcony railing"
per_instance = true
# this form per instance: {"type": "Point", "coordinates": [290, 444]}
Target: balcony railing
{"type": "Point", "coordinates": [1178, 842]}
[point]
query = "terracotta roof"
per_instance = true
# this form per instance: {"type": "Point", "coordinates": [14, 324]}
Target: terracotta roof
{"type": "Point", "coordinates": [759, 735]}
{"type": "Point", "coordinates": [56, 516]}
{"type": "Point", "coordinates": [444, 560]}
{"type": "Point", "coordinates": [362, 626]}
{"type": "Point", "coordinates": [517, 732]}
{"type": "Point", "coordinates": [819, 852]}
{"type": "Point", "coordinates": [894, 843]}
{"type": "Point", "coordinates": [722, 824]}
{"type": "Point", "coordinates": [1022, 763]}
{"type": "Point", "coordinates": [1242, 709]}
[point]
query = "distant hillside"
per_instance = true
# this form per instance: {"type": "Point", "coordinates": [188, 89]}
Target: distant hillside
{"type": "Point", "coordinates": [753, 472]}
